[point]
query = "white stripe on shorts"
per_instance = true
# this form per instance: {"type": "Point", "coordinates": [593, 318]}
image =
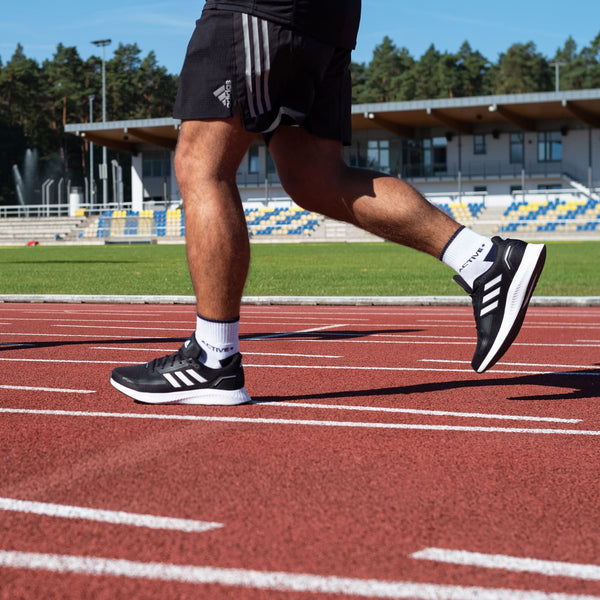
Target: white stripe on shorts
{"type": "Point", "coordinates": [267, 69]}
{"type": "Point", "coordinates": [257, 64]}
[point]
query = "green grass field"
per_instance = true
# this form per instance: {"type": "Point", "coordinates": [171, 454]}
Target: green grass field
{"type": "Point", "coordinates": [312, 269]}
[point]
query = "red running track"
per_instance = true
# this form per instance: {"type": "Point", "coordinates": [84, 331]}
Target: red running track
{"type": "Point", "coordinates": [374, 462]}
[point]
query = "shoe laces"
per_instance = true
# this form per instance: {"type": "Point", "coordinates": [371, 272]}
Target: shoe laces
{"type": "Point", "coordinates": [169, 360]}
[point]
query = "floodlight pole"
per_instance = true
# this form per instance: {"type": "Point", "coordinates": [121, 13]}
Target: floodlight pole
{"type": "Point", "coordinates": [557, 64]}
{"type": "Point", "coordinates": [104, 168]}
{"type": "Point", "coordinates": [91, 98]}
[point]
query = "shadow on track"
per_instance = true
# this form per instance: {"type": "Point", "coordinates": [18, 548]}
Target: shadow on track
{"type": "Point", "coordinates": [321, 335]}
{"type": "Point", "coordinates": [316, 335]}
{"type": "Point", "coordinates": [58, 344]}
{"type": "Point", "coordinates": [577, 385]}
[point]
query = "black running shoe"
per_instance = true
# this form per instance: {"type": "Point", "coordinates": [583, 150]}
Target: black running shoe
{"type": "Point", "coordinates": [181, 379]}
{"type": "Point", "coordinates": [501, 296]}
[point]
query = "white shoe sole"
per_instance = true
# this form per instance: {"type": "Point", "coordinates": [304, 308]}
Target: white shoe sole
{"type": "Point", "coordinates": [519, 294]}
{"type": "Point", "coordinates": [206, 397]}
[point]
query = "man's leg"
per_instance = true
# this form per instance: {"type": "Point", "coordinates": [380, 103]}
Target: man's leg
{"type": "Point", "coordinates": [207, 158]}
{"type": "Point", "coordinates": [207, 369]}
{"type": "Point", "coordinates": [314, 173]}
{"type": "Point", "coordinates": [500, 275]}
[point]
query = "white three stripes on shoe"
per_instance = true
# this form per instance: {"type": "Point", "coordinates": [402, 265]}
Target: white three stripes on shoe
{"type": "Point", "coordinates": [177, 378]}
{"type": "Point", "coordinates": [257, 64]}
{"type": "Point", "coordinates": [492, 291]}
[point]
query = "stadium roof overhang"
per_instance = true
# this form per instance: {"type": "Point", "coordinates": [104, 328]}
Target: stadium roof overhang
{"type": "Point", "coordinates": [527, 112]}
{"type": "Point", "coordinates": [128, 136]}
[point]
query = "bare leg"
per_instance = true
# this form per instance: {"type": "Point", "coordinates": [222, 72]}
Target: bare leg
{"type": "Point", "coordinates": [206, 162]}
{"type": "Point", "coordinates": [314, 173]}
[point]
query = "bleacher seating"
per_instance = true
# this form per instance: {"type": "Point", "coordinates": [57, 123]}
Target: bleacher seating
{"type": "Point", "coordinates": [261, 221]}
{"type": "Point", "coordinates": [552, 216]}
{"type": "Point", "coordinates": [145, 223]}
{"type": "Point", "coordinates": [462, 212]}
{"type": "Point", "coordinates": [538, 216]}
{"type": "Point", "coordinates": [280, 221]}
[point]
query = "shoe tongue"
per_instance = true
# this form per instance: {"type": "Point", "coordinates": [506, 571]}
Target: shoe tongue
{"type": "Point", "coordinates": [491, 257]}
{"type": "Point", "coordinates": [463, 284]}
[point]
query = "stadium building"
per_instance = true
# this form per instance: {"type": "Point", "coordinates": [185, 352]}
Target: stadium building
{"type": "Point", "coordinates": [491, 154]}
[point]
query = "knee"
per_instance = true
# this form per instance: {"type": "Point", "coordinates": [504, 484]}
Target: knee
{"type": "Point", "coordinates": [183, 163]}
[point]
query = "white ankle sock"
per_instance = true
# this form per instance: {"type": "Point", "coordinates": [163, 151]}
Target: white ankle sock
{"type": "Point", "coordinates": [468, 253]}
{"type": "Point", "coordinates": [218, 340]}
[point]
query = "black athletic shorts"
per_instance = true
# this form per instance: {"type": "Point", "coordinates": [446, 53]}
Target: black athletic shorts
{"type": "Point", "coordinates": [271, 74]}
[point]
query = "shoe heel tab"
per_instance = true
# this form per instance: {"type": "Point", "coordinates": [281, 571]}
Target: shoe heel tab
{"type": "Point", "coordinates": [234, 360]}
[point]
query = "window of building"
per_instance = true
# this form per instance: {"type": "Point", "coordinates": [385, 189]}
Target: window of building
{"type": "Point", "coordinates": [425, 158]}
{"type": "Point", "coordinates": [253, 161]}
{"type": "Point", "coordinates": [516, 148]}
{"type": "Point", "coordinates": [434, 155]}
{"type": "Point", "coordinates": [480, 188]}
{"type": "Point", "coordinates": [549, 146]}
{"type": "Point", "coordinates": [479, 144]}
{"type": "Point", "coordinates": [156, 164]}
{"type": "Point", "coordinates": [378, 155]}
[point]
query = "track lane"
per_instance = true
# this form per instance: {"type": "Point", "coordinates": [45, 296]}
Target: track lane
{"type": "Point", "coordinates": [307, 500]}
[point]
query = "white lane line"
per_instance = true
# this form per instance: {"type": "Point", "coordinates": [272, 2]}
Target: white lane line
{"type": "Point", "coordinates": [367, 339]}
{"type": "Point", "coordinates": [190, 323]}
{"type": "Point", "coordinates": [362, 340]}
{"type": "Point", "coordinates": [534, 324]}
{"type": "Point", "coordinates": [136, 328]}
{"type": "Point", "coordinates": [267, 580]}
{"type": "Point", "coordinates": [68, 361]}
{"type": "Point", "coordinates": [70, 335]}
{"type": "Point", "coordinates": [315, 317]}
{"type": "Point", "coordinates": [245, 353]}
{"type": "Point", "coordinates": [292, 333]}
{"type": "Point", "coordinates": [299, 422]}
{"type": "Point", "coordinates": [106, 516]}
{"type": "Point", "coordinates": [425, 337]}
{"type": "Point", "coordinates": [292, 355]}
{"type": "Point", "coordinates": [190, 328]}
{"type": "Point", "coordinates": [511, 563]}
{"type": "Point", "coordinates": [80, 310]}
{"type": "Point", "coordinates": [315, 367]}
{"type": "Point", "coordinates": [325, 315]}
{"type": "Point", "coordinates": [24, 388]}
{"type": "Point", "coordinates": [512, 364]}
{"type": "Point", "coordinates": [408, 369]}
{"type": "Point", "coordinates": [124, 349]}
{"type": "Point", "coordinates": [414, 411]}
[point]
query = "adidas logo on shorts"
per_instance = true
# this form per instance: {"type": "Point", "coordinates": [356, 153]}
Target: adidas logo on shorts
{"type": "Point", "coordinates": [224, 93]}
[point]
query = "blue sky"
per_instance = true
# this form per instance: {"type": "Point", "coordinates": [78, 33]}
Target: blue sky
{"type": "Point", "coordinates": [165, 27]}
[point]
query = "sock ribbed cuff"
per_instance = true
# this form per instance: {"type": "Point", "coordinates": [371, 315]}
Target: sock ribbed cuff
{"type": "Point", "coordinates": [450, 241]}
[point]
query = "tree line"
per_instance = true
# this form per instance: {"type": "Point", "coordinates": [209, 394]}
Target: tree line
{"type": "Point", "coordinates": [395, 75]}
{"type": "Point", "coordinates": [37, 100]}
